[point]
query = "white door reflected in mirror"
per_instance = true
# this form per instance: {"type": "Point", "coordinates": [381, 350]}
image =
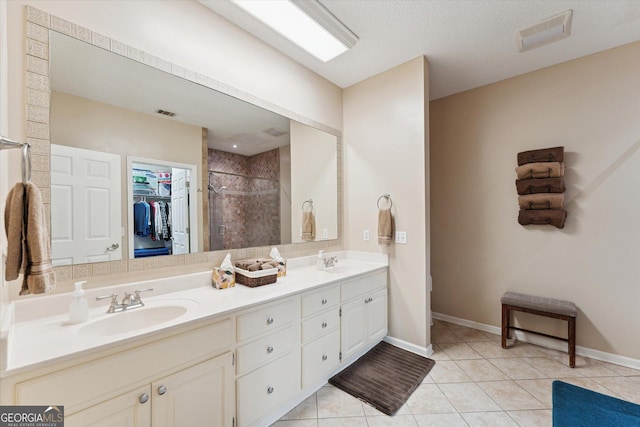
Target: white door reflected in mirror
{"type": "Point", "coordinates": [85, 206]}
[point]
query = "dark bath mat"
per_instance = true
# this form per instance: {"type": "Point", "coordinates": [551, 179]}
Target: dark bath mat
{"type": "Point", "coordinates": [385, 377]}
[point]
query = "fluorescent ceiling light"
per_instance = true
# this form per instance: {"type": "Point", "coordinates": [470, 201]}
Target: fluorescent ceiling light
{"type": "Point", "coordinates": [548, 31]}
{"type": "Point", "coordinates": [306, 23]}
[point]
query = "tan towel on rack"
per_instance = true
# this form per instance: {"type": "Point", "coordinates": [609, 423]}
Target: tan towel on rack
{"type": "Point", "coordinates": [14, 227]}
{"type": "Point", "coordinates": [385, 227]}
{"type": "Point", "coordinates": [34, 245]}
{"type": "Point", "coordinates": [540, 170]}
{"type": "Point", "coordinates": [541, 201]}
{"type": "Point", "coordinates": [308, 226]}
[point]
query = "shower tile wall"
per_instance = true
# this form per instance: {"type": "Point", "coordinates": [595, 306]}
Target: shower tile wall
{"type": "Point", "coordinates": [246, 213]}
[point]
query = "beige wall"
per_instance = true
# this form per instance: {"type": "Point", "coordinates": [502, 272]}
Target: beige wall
{"type": "Point", "coordinates": [386, 145]}
{"type": "Point", "coordinates": [83, 123]}
{"type": "Point", "coordinates": [592, 107]}
{"type": "Point", "coordinates": [314, 166]}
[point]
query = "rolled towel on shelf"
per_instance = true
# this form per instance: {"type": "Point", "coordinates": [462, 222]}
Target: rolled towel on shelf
{"type": "Point", "coordinates": [540, 185]}
{"type": "Point", "coordinates": [308, 226]}
{"type": "Point", "coordinates": [540, 170]}
{"type": "Point", "coordinates": [385, 227]}
{"type": "Point", "coordinates": [541, 201]}
{"type": "Point", "coordinates": [555, 217]}
{"type": "Point", "coordinates": [554, 154]}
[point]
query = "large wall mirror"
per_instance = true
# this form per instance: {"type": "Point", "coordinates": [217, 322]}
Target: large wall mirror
{"type": "Point", "coordinates": [145, 162]}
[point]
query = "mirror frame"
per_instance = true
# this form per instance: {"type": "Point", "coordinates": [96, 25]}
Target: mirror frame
{"type": "Point", "coordinates": [38, 93]}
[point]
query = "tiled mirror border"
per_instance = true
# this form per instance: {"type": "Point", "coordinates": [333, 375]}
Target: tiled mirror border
{"type": "Point", "coordinates": [38, 97]}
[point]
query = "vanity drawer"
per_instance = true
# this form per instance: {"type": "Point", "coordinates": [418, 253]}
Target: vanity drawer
{"type": "Point", "coordinates": [320, 324]}
{"type": "Point", "coordinates": [266, 319]}
{"type": "Point", "coordinates": [101, 379]}
{"type": "Point", "coordinates": [267, 387]}
{"type": "Point", "coordinates": [317, 301]}
{"type": "Point", "coordinates": [320, 357]}
{"type": "Point", "coordinates": [358, 286]}
{"type": "Point", "coordinates": [265, 349]}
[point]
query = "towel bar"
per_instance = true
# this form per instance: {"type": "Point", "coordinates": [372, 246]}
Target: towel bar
{"type": "Point", "coordinates": [6, 143]}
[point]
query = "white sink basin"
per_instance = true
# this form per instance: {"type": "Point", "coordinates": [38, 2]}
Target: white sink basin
{"type": "Point", "coordinates": [340, 269]}
{"type": "Point", "coordinates": [135, 319]}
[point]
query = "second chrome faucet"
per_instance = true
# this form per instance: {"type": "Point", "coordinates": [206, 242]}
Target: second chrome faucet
{"type": "Point", "coordinates": [129, 301]}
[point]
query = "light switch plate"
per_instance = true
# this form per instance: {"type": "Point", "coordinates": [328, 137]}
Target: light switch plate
{"type": "Point", "coordinates": [325, 233]}
{"type": "Point", "coordinates": [401, 237]}
{"type": "Point", "coordinates": [365, 235]}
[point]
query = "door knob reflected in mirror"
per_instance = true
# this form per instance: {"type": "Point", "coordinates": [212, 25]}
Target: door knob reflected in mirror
{"type": "Point", "coordinates": [113, 247]}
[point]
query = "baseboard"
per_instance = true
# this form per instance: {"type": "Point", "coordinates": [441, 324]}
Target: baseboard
{"type": "Point", "coordinates": [544, 342]}
{"type": "Point", "coordinates": [422, 351]}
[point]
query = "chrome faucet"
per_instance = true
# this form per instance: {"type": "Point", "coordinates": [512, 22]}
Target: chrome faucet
{"type": "Point", "coordinates": [330, 261]}
{"type": "Point", "coordinates": [129, 301]}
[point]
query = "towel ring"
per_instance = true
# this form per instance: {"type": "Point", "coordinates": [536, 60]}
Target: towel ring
{"type": "Point", "coordinates": [388, 198]}
{"type": "Point", "coordinates": [310, 202]}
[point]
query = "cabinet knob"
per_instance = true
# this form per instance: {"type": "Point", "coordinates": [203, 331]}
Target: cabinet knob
{"type": "Point", "coordinates": [144, 398]}
{"type": "Point", "coordinates": [270, 321]}
{"type": "Point", "coordinates": [269, 390]}
{"type": "Point", "coordinates": [162, 390]}
{"type": "Point", "coordinates": [324, 324]}
{"type": "Point", "coordinates": [324, 357]}
{"type": "Point", "coordinates": [269, 350]}
{"type": "Point", "coordinates": [324, 301]}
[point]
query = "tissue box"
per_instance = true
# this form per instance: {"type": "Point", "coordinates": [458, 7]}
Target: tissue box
{"type": "Point", "coordinates": [223, 279]}
{"type": "Point", "coordinates": [282, 268]}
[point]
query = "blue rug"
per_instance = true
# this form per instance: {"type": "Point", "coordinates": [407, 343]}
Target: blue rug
{"type": "Point", "coordinates": [578, 407]}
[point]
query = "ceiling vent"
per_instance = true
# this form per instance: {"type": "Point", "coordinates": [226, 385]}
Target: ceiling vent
{"type": "Point", "coordinates": [550, 30]}
{"type": "Point", "coordinates": [166, 113]}
{"type": "Point", "coordinates": [274, 132]}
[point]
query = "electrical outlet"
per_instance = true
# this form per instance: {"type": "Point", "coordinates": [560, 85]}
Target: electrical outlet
{"type": "Point", "coordinates": [325, 233]}
{"type": "Point", "coordinates": [401, 237]}
{"type": "Point", "coordinates": [365, 235]}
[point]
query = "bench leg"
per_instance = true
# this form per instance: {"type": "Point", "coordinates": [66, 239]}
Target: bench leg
{"type": "Point", "coordinates": [505, 325]}
{"type": "Point", "coordinates": [572, 342]}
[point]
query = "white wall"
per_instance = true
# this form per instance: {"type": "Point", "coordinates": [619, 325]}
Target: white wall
{"type": "Point", "coordinates": [591, 106]}
{"type": "Point", "coordinates": [386, 151]}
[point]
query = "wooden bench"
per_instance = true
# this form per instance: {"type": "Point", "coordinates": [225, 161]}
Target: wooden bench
{"type": "Point", "coordinates": [548, 307]}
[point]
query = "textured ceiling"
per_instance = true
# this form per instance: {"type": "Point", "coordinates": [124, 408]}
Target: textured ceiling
{"type": "Point", "coordinates": [468, 43]}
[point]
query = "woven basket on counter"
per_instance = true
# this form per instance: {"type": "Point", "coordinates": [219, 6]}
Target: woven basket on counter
{"type": "Point", "coordinates": [253, 279]}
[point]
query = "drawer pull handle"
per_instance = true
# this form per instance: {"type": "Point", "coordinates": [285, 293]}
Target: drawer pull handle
{"type": "Point", "coordinates": [324, 357]}
{"type": "Point", "coordinates": [324, 324]}
{"type": "Point", "coordinates": [144, 398]}
{"type": "Point", "coordinates": [269, 350]}
{"type": "Point", "coordinates": [269, 390]}
{"type": "Point", "coordinates": [162, 390]}
{"type": "Point", "coordinates": [324, 301]}
{"type": "Point", "coordinates": [270, 321]}
{"type": "Point", "coordinates": [368, 300]}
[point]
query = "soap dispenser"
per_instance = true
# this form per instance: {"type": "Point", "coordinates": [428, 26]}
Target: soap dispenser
{"type": "Point", "coordinates": [320, 262]}
{"type": "Point", "coordinates": [79, 307]}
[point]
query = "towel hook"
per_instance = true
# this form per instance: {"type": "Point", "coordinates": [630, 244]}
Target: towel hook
{"type": "Point", "coordinates": [26, 163]}
{"type": "Point", "coordinates": [388, 198]}
{"type": "Point", "coordinates": [310, 202]}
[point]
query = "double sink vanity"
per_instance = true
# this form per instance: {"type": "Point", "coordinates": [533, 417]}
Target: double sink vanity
{"type": "Point", "coordinates": [195, 355]}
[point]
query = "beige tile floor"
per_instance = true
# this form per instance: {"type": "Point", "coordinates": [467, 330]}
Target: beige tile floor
{"type": "Point", "coordinates": [475, 382]}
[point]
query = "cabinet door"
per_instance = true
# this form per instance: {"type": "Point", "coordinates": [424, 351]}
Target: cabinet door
{"type": "Point", "coordinates": [126, 410]}
{"type": "Point", "coordinates": [376, 315]}
{"type": "Point", "coordinates": [202, 395]}
{"type": "Point", "coordinates": [353, 327]}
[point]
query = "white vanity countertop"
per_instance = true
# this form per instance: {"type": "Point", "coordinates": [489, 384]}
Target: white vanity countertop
{"type": "Point", "coordinates": [34, 341]}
